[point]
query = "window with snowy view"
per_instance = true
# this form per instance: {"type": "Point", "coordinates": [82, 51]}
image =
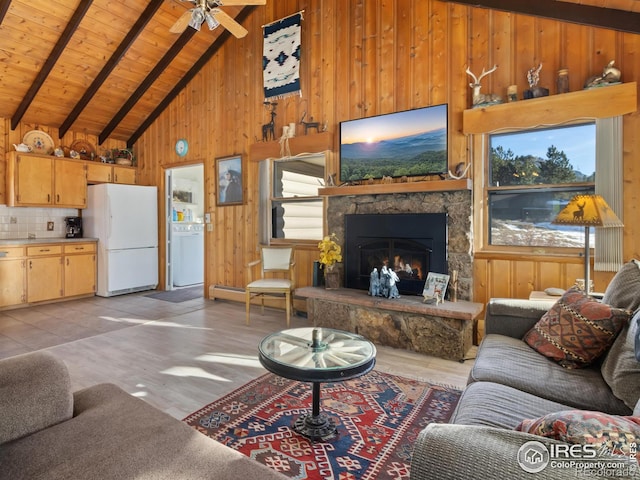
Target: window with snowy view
{"type": "Point", "coordinates": [532, 176]}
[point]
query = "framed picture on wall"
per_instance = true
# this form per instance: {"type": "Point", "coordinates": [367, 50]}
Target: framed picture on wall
{"type": "Point", "coordinates": [229, 175]}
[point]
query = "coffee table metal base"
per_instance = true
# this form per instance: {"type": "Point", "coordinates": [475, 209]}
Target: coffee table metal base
{"type": "Point", "coordinates": [315, 428]}
{"type": "Point", "coordinates": [315, 425]}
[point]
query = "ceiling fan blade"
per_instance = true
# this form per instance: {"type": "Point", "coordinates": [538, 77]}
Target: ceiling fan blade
{"type": "Point", "coordinates": [228, 3]}
{"type": "Point", "coordinates": [229, 23]}
{"type": "Point", "coordinates": [182, 23]}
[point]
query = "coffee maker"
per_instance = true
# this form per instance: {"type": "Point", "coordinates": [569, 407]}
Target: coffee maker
{"type": "Point", "coordinates": [74, 227]}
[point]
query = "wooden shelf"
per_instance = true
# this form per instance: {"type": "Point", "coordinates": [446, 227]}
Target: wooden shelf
{"type": "Point", "coordinates": [601, 102]}
{"type": "Point", "coordinates": [312, 143]}
{"type": "Point", "coordinates": [409, 187]}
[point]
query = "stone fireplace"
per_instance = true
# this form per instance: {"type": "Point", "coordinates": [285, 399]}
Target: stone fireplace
{"type": "Point", "coordinates": [455, 205]}
{"type": "Point", "coordinates": [410, 244]}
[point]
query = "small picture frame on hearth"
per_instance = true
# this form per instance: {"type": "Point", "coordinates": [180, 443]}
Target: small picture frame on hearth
{"type": "Point", "coordinates": [435, 286]}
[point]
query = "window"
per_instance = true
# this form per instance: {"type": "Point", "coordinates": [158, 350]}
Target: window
{"type": "Point", "coordinates": [296, 207]}
{"type": "Point", "coordinates": [532, 175]}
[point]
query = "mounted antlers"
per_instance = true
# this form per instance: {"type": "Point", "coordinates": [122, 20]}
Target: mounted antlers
{"type": "Point", "coordinates": [479, 98]}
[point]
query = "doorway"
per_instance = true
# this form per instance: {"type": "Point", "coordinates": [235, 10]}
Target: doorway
{"type": "Point", "coordinates": [185, 226]}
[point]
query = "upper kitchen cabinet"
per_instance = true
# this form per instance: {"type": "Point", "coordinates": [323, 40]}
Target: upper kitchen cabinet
{"type": "Point", "coordinates": [108, 173]}
{"type": "Point", "coordinates": [45, 181]}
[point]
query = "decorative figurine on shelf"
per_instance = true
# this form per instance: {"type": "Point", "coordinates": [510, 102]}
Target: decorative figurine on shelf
{"type": "Point", "coordinates": [309, 124]}
{"type": "Point", "coordinates": [374, 283]}
{"type": "Point", "coordinates": [481, 99]}
{"type": "Point", "coordinates": [533, 77]}
{"type": "Point", "coordinates": [393, 280]}
{"type": "Point", "coordinates": [453, 289]}
{"type": "Point", "coordinates": [438, 297]}
{"type": "Point", "coordinates": [461, 171]}
{"type": "Point", "coordinates": [268, 129]}
{"type": "Point", "coordinates": [385, 282]}
{"type": "Point", "coordinates": [610, 75]}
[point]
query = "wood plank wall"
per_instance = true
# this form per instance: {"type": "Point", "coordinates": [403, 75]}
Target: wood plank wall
{"type": "Point", "coordinates": [367, 57]}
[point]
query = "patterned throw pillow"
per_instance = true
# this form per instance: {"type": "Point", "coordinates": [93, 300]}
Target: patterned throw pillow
{"type": "Point", "coordinates": [576, 330]}
{"type": "Point", "coordinates": [615, 433]}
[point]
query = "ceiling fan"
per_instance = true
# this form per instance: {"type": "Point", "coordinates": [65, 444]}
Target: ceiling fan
{"type": "Point", "coordinates": [207, 11]}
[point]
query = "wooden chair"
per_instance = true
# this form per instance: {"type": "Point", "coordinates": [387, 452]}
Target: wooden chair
{"type": "Point", "coordinates": [278, 260]}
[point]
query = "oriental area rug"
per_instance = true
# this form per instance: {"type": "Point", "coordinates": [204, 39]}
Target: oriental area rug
{"type": "Point", "coordinates": [378, 417]}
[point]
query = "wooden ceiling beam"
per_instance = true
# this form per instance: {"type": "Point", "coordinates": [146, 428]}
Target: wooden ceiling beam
{"type": "Point", "coordinates": [126, 43]}
{"type": "Point", "coordinates": [193, 71]}
{"type": "Point", "coordinates": [4, 6]}
{"type": "Point", "coordinates": [44, 72]}
{"type": "Point", "coordinates": [146, 83]}
{"type": "Point", "coordinates": [569, 12]}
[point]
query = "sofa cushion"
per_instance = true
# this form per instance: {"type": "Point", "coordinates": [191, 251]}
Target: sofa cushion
{"type": "Point", "coordinates": [495, 405]}
{"type": "Point", "coordinates": [35, 393]}
{"type": "Point", "coordinates": [512, 362]}
{"type": "Point", "coordinates": [624, 289]}
{"type": "Point", "coordinates": [577, 330]}
{"type": "Point", "coordinates": [616, 433]}
{"type": "Point", "coordinates": [621, 369]}
{"type": "Point", "coordinates": [115, 436]}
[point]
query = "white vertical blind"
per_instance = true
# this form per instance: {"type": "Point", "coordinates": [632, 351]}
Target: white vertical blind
{"type": "Point", "coordinates": [608, 246]}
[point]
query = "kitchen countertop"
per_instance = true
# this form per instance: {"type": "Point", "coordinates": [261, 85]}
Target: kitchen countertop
{"type": "Point", "coordinates": [38, 241]}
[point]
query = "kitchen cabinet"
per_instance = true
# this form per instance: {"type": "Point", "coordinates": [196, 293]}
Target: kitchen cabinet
{"type": "Point", "coordinates": [44, 273]}
{"type": "Point", "coordinates": [123, 174]}
{"type": "Point", "coordinates": [79, 269]}
{"type": "Point", "coordinates": [107, 173]}
{"type": "Point", "coordinates": [47, 272]}
{"type": "Point", "coordinates": [13, 286]}
{"type": "Point", "coordinates": [45, 181]}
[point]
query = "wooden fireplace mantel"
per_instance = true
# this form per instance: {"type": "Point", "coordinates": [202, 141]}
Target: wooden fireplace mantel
{"type": "Point", "coordinates": [407, 187]}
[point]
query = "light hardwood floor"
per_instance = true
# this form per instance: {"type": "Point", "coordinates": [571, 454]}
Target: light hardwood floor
{"type": "Point", "coordinates": [176, 356]}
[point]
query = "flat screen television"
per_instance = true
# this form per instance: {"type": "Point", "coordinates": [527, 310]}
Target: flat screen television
{"type": "Point", "coordinates": [407, 143]}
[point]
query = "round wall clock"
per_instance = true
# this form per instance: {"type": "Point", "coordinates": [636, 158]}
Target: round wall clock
{"type": "Point", "coordinates": [181, 147]}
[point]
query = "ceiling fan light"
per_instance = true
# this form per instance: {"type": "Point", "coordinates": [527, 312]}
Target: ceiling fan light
{"type": "Point", "coordinates": [211, 21]}
{"type": "Point", "coordinates": [197, 17]}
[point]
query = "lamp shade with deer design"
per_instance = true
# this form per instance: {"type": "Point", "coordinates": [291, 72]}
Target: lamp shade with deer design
{"type": "Point", "coordinates": [587, 211]}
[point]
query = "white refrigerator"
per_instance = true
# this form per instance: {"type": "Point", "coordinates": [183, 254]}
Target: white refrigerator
{"type": "Point", "coordinates": [124, 219]}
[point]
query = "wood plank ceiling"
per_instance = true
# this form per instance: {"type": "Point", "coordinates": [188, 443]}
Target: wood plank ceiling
{"type": "Point", "coordinates": [110, 67]}
{"type": "Point", "coordinates": [103, 67]}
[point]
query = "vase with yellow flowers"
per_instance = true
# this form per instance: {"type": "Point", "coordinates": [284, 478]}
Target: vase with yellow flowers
{"type": "Point", "coordinates": [330, 254]}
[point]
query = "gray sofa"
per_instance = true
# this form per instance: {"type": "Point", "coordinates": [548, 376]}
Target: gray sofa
{"type": "Point", "coordinates": [102, 432]}
{"type": "Point", "coordinates": [510, 382]}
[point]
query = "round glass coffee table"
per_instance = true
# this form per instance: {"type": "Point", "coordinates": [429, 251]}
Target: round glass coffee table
{"type": "Point", "coordinates": [316, 355]}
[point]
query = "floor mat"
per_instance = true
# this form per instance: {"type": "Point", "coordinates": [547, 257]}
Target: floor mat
{"type": "Point", "coordinates": [378, 417]}
{"type": "Point", "coordinates": [178, 296]}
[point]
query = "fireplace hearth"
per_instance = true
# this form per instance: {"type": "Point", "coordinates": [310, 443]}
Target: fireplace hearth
{"type": "Point", "coordinates": [412, 245]}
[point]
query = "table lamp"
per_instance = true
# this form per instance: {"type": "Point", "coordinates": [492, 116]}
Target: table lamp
{"type": "Point", "coordinates": [587, 211]}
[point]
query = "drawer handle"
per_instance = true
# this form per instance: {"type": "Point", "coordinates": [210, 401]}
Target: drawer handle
{"type": "Point", "coordinates": [45, 250]}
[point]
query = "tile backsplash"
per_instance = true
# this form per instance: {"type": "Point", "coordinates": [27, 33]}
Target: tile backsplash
{"type": "Point", "coordinates": [25, 222]}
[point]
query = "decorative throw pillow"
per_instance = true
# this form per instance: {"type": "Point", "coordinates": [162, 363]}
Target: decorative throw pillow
{"type": "Point", "coordinates": [576, 330]}
{"type": "Point", "coordinates": [624, 289]}
{"type": "Point", "coordinates": [621, 368]}
{"type": "Point", "coordinates": [615, 433]}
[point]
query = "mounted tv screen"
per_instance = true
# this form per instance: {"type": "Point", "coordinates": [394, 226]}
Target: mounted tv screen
{"type": "Point", "coordinates": [408, 143]}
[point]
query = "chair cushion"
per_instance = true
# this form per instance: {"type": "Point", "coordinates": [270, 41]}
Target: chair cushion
{"type": "Point", "coordinates": [282, 283]}
{"type": "Point", "coordinates": [621, 369]}
{"type": "Point", "coordinates": [615, 433]}
{"type": "Point", "coordinates": [576, 330]}
{"type": "Point", "coordinates": [624, 289]}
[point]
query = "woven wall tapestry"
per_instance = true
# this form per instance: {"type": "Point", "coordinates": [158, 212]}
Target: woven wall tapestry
{"type": "Point", "coordinates": [281, 57]}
